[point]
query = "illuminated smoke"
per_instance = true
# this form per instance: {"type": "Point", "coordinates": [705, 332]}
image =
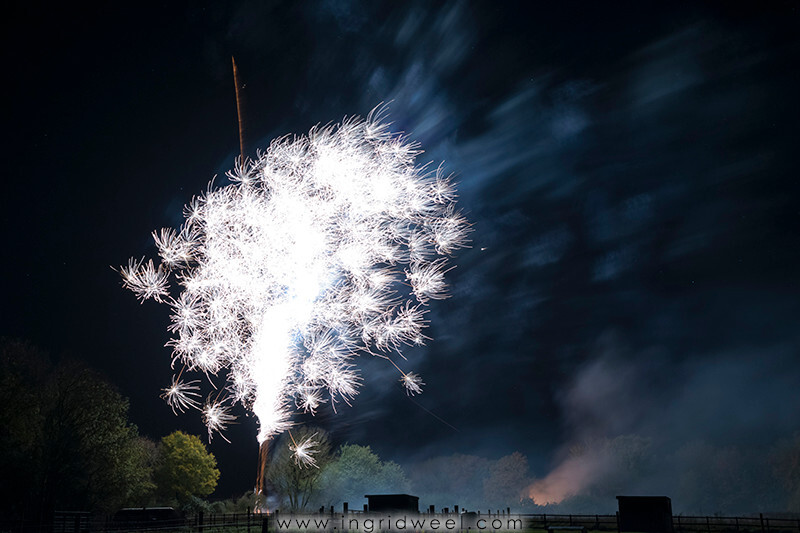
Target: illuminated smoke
{"type": "Point", "coordinates": [567, 479]}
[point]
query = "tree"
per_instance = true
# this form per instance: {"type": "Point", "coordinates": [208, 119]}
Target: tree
{"type": "Point", "coordinates": [186, 468]}
{"type": "Point", "coordinates": [295, 482]}
{"type": "Point", "coordinates": [148, 455]}
{"type": "Point", "coordinates": [88, 423]}
{"type": "Point", "coordinates": [785, 459]}
{"type": "Point", "coordinates": [625, 461]}
{"type": "Point", "coordinates": [356, 471]}
{"type": "Point", "coordinates": [23, 373]}
{"type": "Point", "coordinates": [453, 479]}
{"type": "Point", "coordinates": [508, 479]}
{"type": "Point", "coordinates": [63, 426]}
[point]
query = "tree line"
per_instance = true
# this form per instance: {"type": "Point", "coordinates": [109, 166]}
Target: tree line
{"type": "Point", "coordinates": [701, 478]}
{"type": "Point", "coordinates": [351, 471]}
{"type": "Point", "coordinates": [66, 443]}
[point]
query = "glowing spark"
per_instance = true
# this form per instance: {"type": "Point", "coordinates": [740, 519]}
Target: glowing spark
{"type": "Point", "coordinates": [413, 383]}
{"type": "Point", "coordinates": [181, 395]}
{"type": "Point", "coordinates": [304, 451]}
{"type": "Point", "coordinates": [217, 417]}
{"type": "Point", "coordinates": [309, 401]}
{"type": "Point", "coordinates": [323, 247]}
{"type": "Point", "coordinates": [145, 280]}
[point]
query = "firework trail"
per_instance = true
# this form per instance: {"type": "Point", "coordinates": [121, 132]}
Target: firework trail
{"type": "Point", "coordinates": [237, 84]}
{"type": "Point", "coordinates": [323, 247]}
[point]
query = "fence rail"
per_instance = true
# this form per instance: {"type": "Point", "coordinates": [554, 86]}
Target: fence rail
{"type": "Point", "coordinates": [76, 522]}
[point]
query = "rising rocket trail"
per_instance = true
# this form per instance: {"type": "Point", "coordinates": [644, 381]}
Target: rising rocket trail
{"type": "Point", "coordinates": [237, 85]}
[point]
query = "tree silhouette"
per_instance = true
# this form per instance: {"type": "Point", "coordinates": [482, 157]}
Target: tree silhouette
{"type": "Point", "coordinates": [295, 482]}
{"type": "Point", "coordinates": [63, 426]}
{"type": "Point", "coordinates": [508, 479]}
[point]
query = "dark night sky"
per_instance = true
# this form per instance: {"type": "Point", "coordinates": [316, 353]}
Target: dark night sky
{"type": "Point", "coordinates": [631, 173]}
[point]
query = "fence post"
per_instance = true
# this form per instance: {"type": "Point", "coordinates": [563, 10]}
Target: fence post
{"type": "Point", "coordinates": [265, 523]}
{"type": "Point", "coordinates": [679, 524]}
{"type": "Point", "coordinates": [761, 519]}
{"type": "Point", "coordinates": [617, 514]}
{"type": "Point", "coordinates": [736, 521]}
{"type": "Point", "coordinates": [597, 522]}
{"type": "Point", "coordinates": [708, 524]}
{"type": "Point", "coordinates": [767, 520]}
{"type": "Point", "coordinates": [200, 521]}
{"type": "Point", "coordinates": [544, 519]}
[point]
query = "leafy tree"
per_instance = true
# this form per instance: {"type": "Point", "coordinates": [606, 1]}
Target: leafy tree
{"type": "Point", "coordinates": [148, 454]}
{"type": "Point", "coordinates": [293, 482]}
{"type": "Point", "coordinates": [453, 479]}
{"type": "Point", "coordinates": [23, 374]}
{"type": "Point", "coordinates": [356, 471]}
{"type": "Point", "coordinates": [785, 460]}
{"type": "Point", "coordinates": [88, 421]}
{"type": "Point", "coordinates": [625, 460]}
{"type": "Point", "coordinates": [725, 479]}
{"type": "Point", "coordinates": [187, 470]}
{"type": "Point", "coordinates": [63, 427]}
{"type": "Point", "coordinates": [245, 502]}
{"type": "Point", "coordinates": [508, 479]}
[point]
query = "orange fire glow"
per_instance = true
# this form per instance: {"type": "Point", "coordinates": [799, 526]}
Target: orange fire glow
{"type": "Point", "coordinates": [567, 479]}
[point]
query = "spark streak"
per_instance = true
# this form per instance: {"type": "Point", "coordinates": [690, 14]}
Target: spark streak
{"type": "Point", "coordinates": [304, 451]}
{"type": "Point", "coordinates": [181, 395]}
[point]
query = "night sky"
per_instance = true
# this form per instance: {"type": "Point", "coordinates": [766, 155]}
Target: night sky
{"type": "Point", "coordinates": [631, 173]}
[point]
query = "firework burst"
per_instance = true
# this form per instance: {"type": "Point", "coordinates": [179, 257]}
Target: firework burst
{"type": "Point", "coordinates": [304, 451]}
{"type": "Point", "coordinates": [182, 395]}
{"type": "Point", "coordinates": [324, 246]}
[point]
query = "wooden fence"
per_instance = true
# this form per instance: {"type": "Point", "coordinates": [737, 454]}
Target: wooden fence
{"type": "Point", "coordinates": [256, 523]}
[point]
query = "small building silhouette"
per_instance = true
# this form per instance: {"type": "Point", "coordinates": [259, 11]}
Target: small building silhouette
{"type": "Point", "coordinates": [645, 514]}
{"type": "Point", "coordinates": [381, 503]}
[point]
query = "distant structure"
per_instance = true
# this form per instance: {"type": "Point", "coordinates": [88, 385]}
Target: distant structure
{"type": "Point", "coordinates": [380, 503]}
{"type": "Point", "coordinates": [645, 514]}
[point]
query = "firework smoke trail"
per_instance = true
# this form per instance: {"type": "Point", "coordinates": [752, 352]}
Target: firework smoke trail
{"type": "Point", "coordinates": [323, 247]}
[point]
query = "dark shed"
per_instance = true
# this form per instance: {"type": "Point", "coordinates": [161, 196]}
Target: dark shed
{"type": "Point", "coordinates": [646, 514]}
{"type": "Point", "coordinates": [392, 502]}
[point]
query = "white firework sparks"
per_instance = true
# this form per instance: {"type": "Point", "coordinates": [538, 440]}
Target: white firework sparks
{"type": "Point", "coordinates": [181, 395]}
{"type": "Point", "coordinates": [145, 280]}
{"type": "Point", "coordinates": [304, 451]}
{"type": "Point", "coordinates": [323, 247]}
{"type": "Point", "coordinates": [217, 417]}
{"type": "Point", "coordinates": [413, 383]}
